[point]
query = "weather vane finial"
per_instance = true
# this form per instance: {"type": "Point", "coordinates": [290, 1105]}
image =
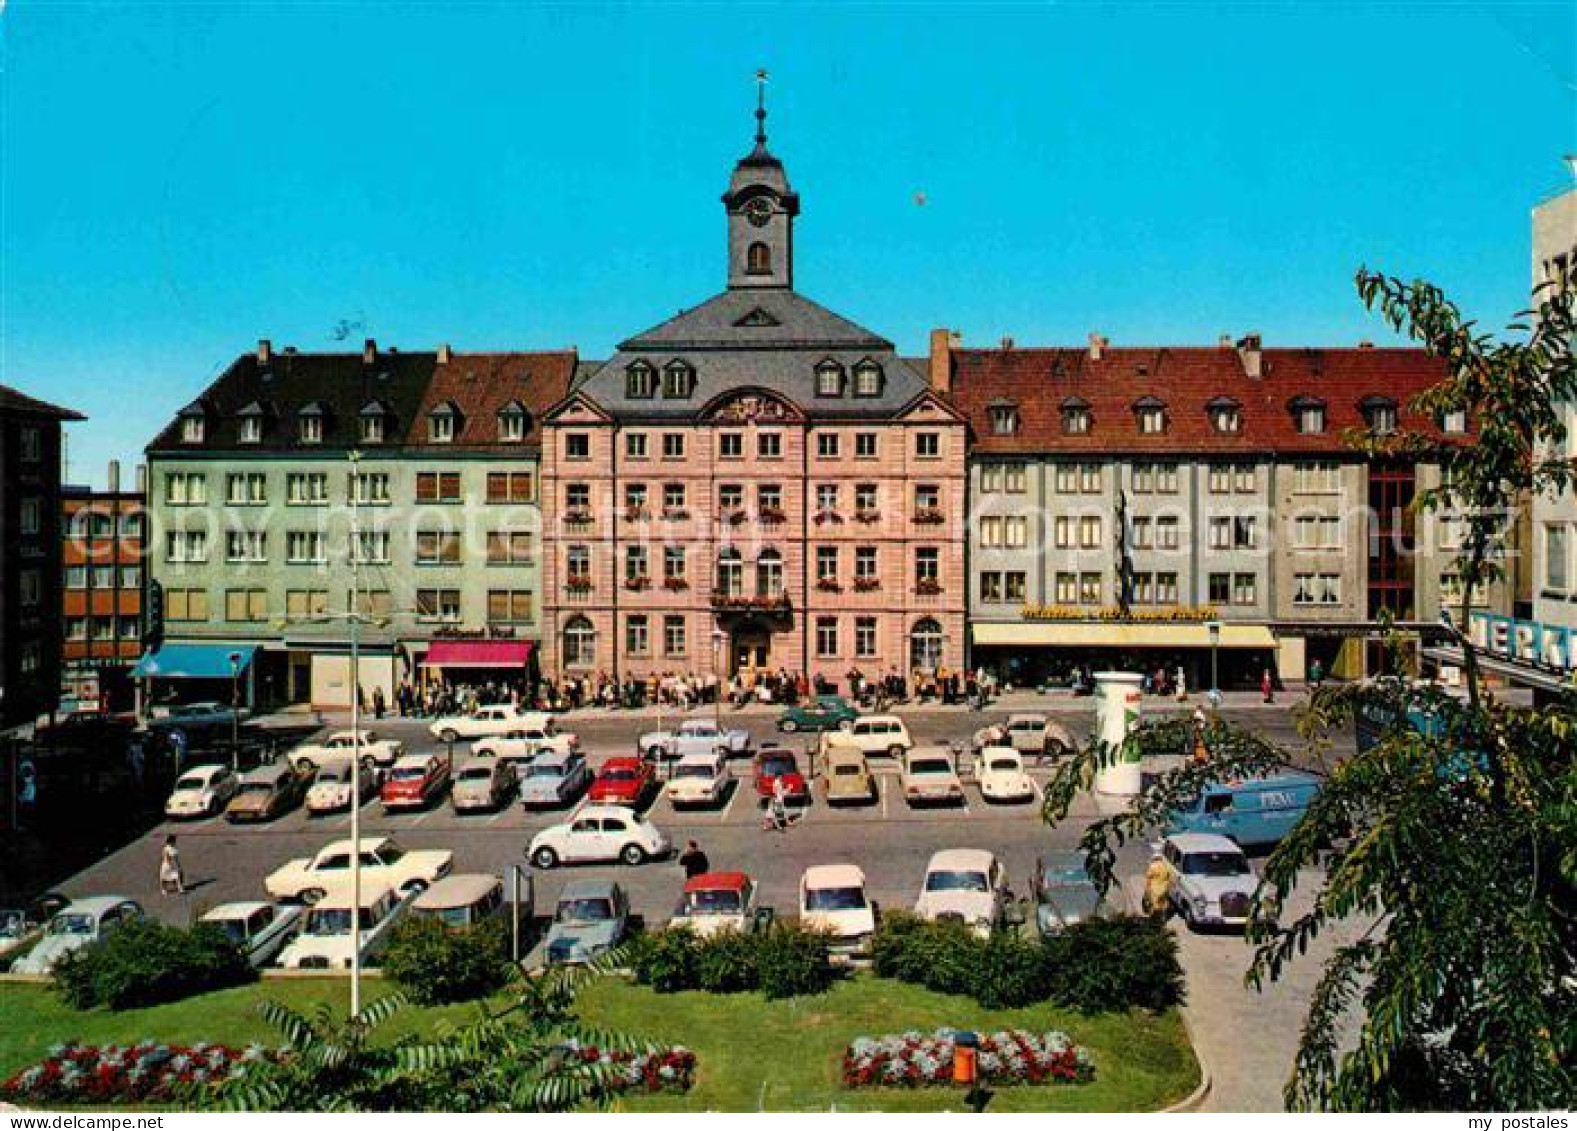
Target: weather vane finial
{"type": "Point", "coordinates": [761, 107]}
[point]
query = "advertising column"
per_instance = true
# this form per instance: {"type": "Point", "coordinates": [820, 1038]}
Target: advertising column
{"type": "Point", "coordinates": [1117, 699]}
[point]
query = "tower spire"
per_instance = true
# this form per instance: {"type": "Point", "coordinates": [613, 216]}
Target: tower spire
{"type": "Point", "coordinates": [761, 109]}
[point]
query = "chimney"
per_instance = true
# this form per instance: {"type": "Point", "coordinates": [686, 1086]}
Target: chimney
{"type": "Point", "coordinates": [1225, 341]}
{"type": "Point", "coordinates": [142, 479]}
{"type": "Point", "coordinates": [369, 352]}
{"type": "Point", "coordinates": [1366, 344]}
{"type": "Point", "coordinates": [1007, 343]}
{"type": "Point", "coordinates": [443, 353]}
{"type": "Point", "coordinates": [265, 350]}
{"type": "Point", "coordinates": [943, 343]}
{"type": "Point", "coordinates": [114, 477]}
{"type": "Point", "coordinates": [290, 350]}
{"type": "Point", "coordinates": [1098, 346]}
{"type": "Point", "coordinates": [1249, 355]}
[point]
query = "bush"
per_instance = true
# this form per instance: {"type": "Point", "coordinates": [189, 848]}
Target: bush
{"type": "Point", "coordinates": [792, 960]}
{"type": "Point", "coordinates": [666, 960]}
{"type": "Point", "coordinates": [728, 963]}
{"type": "Point", "coordinates": [145, 963]}
{"type": "Point", "coordinates": [1115, 964]}
{"type": "Point", "coordinates": [943, 957]}
{"type": "Point", "coordinates": [435, 964]}
{"type": "Point", "coordinates": [1012, 971]}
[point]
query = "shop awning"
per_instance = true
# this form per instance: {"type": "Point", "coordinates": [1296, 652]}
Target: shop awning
{"type": "Point", "coordinates": [478, 654]}
{"type": "Point", "coordinates": [1102, 634]}
{"type": "Point", "coordinates": [194, 661]}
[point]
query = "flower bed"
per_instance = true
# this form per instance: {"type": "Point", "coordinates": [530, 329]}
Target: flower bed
{"type": "Point", "coordinates": [919, 1060]}
{"type": "Point", "coordinates": [144, 1073]}
{"type": "Point", "coordinates": [661, 1070]}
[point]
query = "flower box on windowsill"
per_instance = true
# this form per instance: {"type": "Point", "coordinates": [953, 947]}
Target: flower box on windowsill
{"type": "Point", "coordinates": [577, 516]}
{"type": "Point", "coordinates": [675, 584]}
{"type": "Point", "coordinates": [637, 584]}
{"type": "Point", "coordinates": [675, 514]}
{"type": "Point", "coordinates": [930, 516]}
{"type": "Point", "coordinates": [867, 584]}
{"type": "Point", "coordinates": [636, 514]}
{"type": "Point", "coordinates": [928, 587]}
{"type": "Point", "coordinates": [829, 585]}
{"type": "Point", "coordinates": [824, 517]}
{"type": "Point", "coordinates": [577, 583]}
{"type": "Point", "coordinates": [736, 518]}
{"type": "Point", "coordinates": [771, 514]}
{"type": "Point", "coordinates": [867, 516]}
{"type": "Point", "coordinates": [741, 601]}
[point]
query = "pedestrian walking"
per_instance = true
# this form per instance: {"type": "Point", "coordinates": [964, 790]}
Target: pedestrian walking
{"type": "Point", "coordinates": [777, 808]}
{"type": "Point", "coordinates": [379, 704]}
{"type": "Point", "coordinates": [1316, 674]}
{"type": "Point", "coordinates": [171, 881]}
{"type": "Point", "coordinates": [1267, 686]}
{"type": "Point", "coordinates": [694, 861]}
{"type": "Point", "coordinates": [1158, 878]}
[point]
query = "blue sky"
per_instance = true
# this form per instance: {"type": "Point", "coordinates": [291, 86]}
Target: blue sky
{"type": "Point", "coordinates": [181, 180]}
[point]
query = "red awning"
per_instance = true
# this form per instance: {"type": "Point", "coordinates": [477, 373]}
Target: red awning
{"type": "Point", "coordinates": [477, 654]}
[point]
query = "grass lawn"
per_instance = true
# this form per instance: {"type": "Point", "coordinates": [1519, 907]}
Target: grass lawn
{"type": "Point", "coordinates": [753, 1054]}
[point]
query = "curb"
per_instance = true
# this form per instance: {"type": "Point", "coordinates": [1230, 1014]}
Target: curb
{"type": "Point", "coordinates": [1195, 1100]}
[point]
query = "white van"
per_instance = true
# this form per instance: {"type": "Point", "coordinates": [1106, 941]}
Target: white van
{"type": "Point", "coordinates": [876, 734]}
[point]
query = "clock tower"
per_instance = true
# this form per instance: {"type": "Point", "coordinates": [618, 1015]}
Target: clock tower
{"type": "Point", "coordinates": [761, 209]}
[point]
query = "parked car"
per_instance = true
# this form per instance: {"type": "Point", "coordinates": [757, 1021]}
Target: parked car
{"type": "Point", "coordinates": [342, 744]}
{"type": "Point", "coordinates": [846, 776]}
{"type": "Point", "coordinates": [325, 941]}
{"type": "Point", "coordinates": [832, 898]}
{"type": "Point", "coordinates": [415, 782]}
{"type": "Point", "coordinates": [700, 779]}
{"type": "Point", "coordinates": [331, 790]}
{"type": "Point", "coordinates": [202, 791]}
{"type": "Point", "coordinates": [85, 730]}
{"type": "Point", "coordinates": [1000, 771]}
{"type": "Point", "coordinates": [968, 885]}
{"type": "Point", "coordinates": [623, 781]}
{"type": "Point", "coordinates": [824, 712]}
{"type": "Point", "coordinates": [598, 833]}
{"type": "Point", "coordinates": [776, 763]}
{"type": "Point", "coordinates": [592, 917]}
{"type": "Point", "coordinates": [1257, 811]}
{"type": "Point", "coordinates": [309, 878]}
{"type": "Point", "coordinates": [197, 723]}
{"type": "Point", "coordinates": [1213, 883]}
{"type": "Point", "coordinates": [526, 743]}
{"type": "Point", "coordinates": [266, 791]}
{"type": "Point", "coordinates": [719, 901]}
{"type": "Point", "coordinates": [471, 898]}
{"type": "Point", "coordinates": [928, 777]}
{"type": "Point", "coordinates": [260, 929]}
{"type": "Point", "coordinates": [482, 785]}
{"type": "Point", "coordinates": [1064, 893]}
{"type": "Point", "coordinates": [1027, 734]}
{"type": "Point", "coordinates": [496, 721]}
{"type": "Point", "coordinates": [694, 736]}
{"type": "Point", "coordinates": [20, 926]}
{"type": "Point", "coordinates": [878, 734]}
{"type": "Point", "coordinates": [78, 924]}
{"type": "Point", "coordinates": [555, 778]}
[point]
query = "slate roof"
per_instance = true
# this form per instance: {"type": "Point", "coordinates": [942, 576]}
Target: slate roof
{"type": "Point", "coordinates": [1186, 379]}
{"type": "Point", "coordinates": [16, 402]}
{"type": "Point", "coordinates": [724, 321]}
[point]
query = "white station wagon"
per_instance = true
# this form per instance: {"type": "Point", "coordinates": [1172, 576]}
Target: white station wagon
{"type": "Point", "coordinates": [699, 779]}
{"type": "Point", "coordinates": [876, 734]}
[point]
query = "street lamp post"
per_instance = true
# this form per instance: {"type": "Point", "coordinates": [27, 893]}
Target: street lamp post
{"type": "Point", "coordinates": [717, 678]}
{"type": "Point", "coordinates": [1214, 628]}
{"type": "Point", "coordinates": [235, 710]}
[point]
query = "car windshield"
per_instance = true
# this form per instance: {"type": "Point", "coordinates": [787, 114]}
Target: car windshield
{"type": "Point", "coordinates": [1215, 864]}
{"type": "Point", "coordinates": [335, 920]}
{"type": "Point", "coordinates": [78, 924]}
{"type": "Point", "coordinates": [847, 769]}
{"type": "Point", "coordinates": [233, 929]}
{"type": "Point", "coordinates": [930, 766]}
{"type": "Point", "coordinates": [477, 773]}
{"type": "Point", "coordinates": [835, 899]}
{"type": "Point", "coordinates": [584, 911]}
{"type": "Point", "coordinates": [776, 767]}
{"type": "Point", "coordinates": [12, 924]}
{"type": "Point", "coordinates": [408, 773]}
{"type": "Point", "coordinates": [255, 787]}
{"type": "Point", "coordinates": [547, 770]}
{"type": "Point", "coordinates": [192, 781]}
{"type": "Point", "coordinates": [693, 770]}
{"type": "Point", "coordinates": [334, 775]}
{"type": "Point", "coordinates": [713, 901]}
{"type": "Point", "coordinates": [1064, 875]}
{"type": "Point", "coordinates": [956, 881]}
{"type": "Point", "coordinates": [1003, 765]}
{"type": "Point", "coordinates": [620, 773]}
{"type": "Point", "coordinates": [448, 916]}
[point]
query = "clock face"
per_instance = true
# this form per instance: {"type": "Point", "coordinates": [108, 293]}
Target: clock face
{"type": "Point", "coordinates": [759, 211]}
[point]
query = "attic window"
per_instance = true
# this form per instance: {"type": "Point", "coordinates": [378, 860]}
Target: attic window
{"type": "Point", "coordinates": [441, 424]}
{"type": "Point", "coordinates": [829, 379]}
{"type": "Point", "coordinates": [1380, 412]}
{"type": "Point", "coordinates": [309, 425]}
{"type": "Point", "coordinates": [372, 429]}
{"type": "Point", "coordinates": [1004, 418]}
{"type": "Point", "coordinates": [678, 380]}
{"type": "Point", "coordinates": [1226, 415]}
{"type": "Point", "coordinates": [1151, 415]}
{"type": "Point", "coordinates": [640, 381]}
{"type": "Point", "coordinates": [1309, 414]}
{"type": "Point", "coordinates": [1075, 417]}
{"type": "Point", "coordinates": [1454, 422]}
{"type": "Point", "coordinates": [512, 423]}
{"type": "Point", "coordinates": [867, 379]}
{"type": "Point", "coordinates": [192, 429]}
{"type": "Point", "coordinates": [250, 419]}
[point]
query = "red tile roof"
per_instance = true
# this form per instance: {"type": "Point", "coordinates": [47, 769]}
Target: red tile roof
{"type": "Point", "coordinates": [480, 384]}
{"type": "Point", "coordinates": [1187, 379]}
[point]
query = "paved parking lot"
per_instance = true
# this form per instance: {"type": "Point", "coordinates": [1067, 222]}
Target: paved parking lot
{"type": "Point", "coordinates": [1247, 1038]}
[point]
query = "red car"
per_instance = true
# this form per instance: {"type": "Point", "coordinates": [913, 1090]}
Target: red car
{"type": "Point", "coordinates": [623, 781]}
{"type": "Point", "coordinates": [777, 763]}
{"type": "Point", "coordinates": [415, 781]}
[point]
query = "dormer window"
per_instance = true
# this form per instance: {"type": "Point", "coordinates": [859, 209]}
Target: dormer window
{"type": "Point", "coordinates": [512, 423]}
{"type": "Point", "coordinates": [1075, 417]}
{"type": "Point", "coordinates": [250, 420]}
{"type": "Point", "coordinates": [442, 424]}
{"type": "Point", "coordinates": [372, 423]}
{"type": "Point", "coordinates": [758, 259]}
{"type": "Point", "coordinates": [640, 381]}
{"type": "Point", "coordinates": [1004, 417]}
{"type": "Point", "coordinates": [1309, 414]}
{"type": "Point", "coordinates": [309, 424]}
{"type": "Point", "coordinates": [1380, 413]}
{"type": "Point", "coordinates": [867, 379]}
{"type": "Point", "coordinates": [678, 380]}
{"type": "Point", "coordinates": [1226, 416]}
{"type": "Point", "coordinates": [1150, 412]}
{"type": "Point", "coordinates": [1454, 422]}
{"type": "Point", "coordinates": [192, 429]}
{"type": "Point", "coordinates": [829, 379]}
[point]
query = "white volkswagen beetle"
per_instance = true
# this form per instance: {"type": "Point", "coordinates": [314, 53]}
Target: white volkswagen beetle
{"type": "Point", "coordinates": [1000, 770]}
{"type": "Point", "coordinates": [201, 791]}
{"type": "Point", "coordinates": [598, 833]}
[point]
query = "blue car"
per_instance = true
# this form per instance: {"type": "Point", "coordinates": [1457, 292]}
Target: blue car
{"type": "Point", "coordinates": [592, 917]}
{"type": "Point", "coordinates": [1259, 811]}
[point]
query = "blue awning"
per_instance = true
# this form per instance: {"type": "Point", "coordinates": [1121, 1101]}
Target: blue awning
{"type": "Point", "coordinates": [195, 661]}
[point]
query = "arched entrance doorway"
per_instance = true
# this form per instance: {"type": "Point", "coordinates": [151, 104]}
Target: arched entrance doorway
{"type": "Point", "coordinates": [750, 648]}
{"type": "Point", "coordinates": [925, 645]}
